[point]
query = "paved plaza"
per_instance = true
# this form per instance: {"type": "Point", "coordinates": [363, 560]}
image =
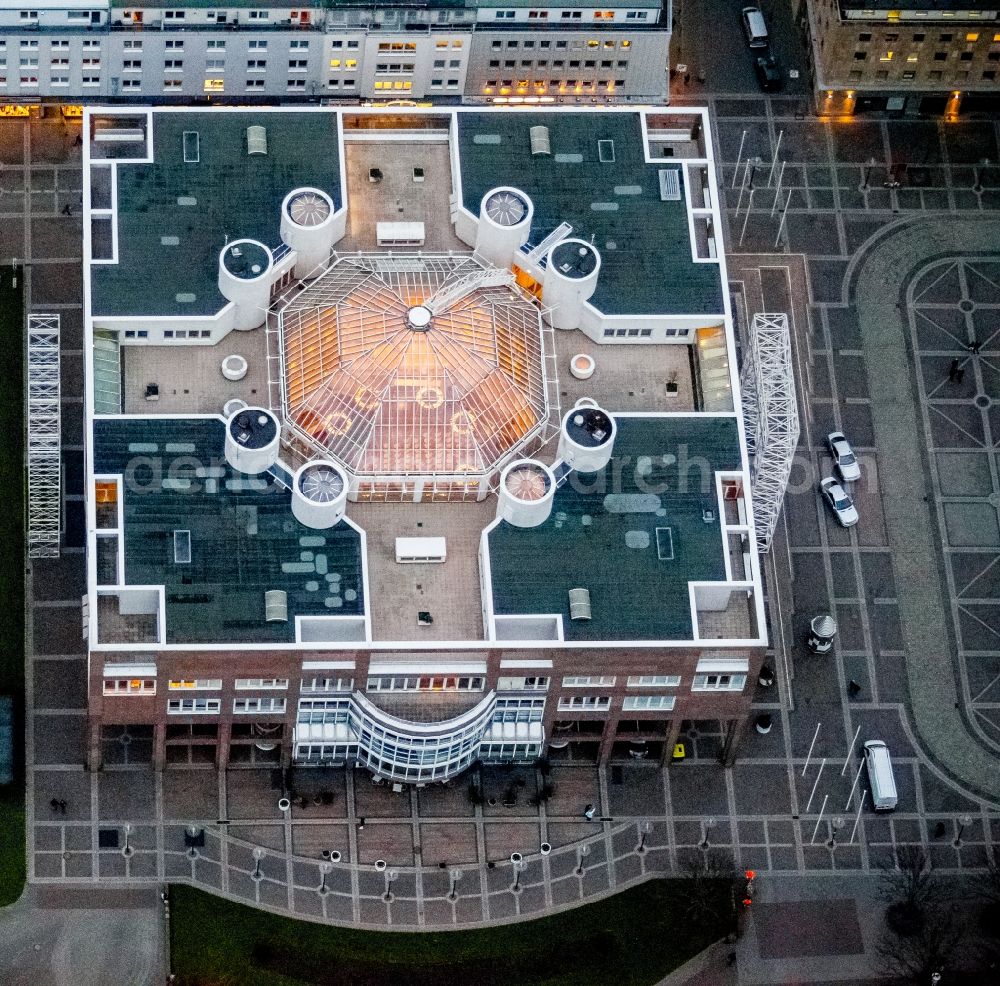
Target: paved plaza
{"type": "Point", "coordinates": [885, 287]}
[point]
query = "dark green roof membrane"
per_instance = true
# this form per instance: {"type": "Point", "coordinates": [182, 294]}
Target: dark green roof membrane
{"type": "Point", "coordinates": [634, 534]}
{"type": "Point", "coordinates": [174, 218]}
{"type": "Point", "coordinates": [244, 539]}
{"type": "Point", "coordinates": [644, 242]}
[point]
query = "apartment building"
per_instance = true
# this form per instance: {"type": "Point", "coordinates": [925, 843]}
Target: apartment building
{"type": "Point", "coordinates": [249, 52]}
{"type": "Point", "coordinates": [413, 439]}
{"type": "Point", "coordinates": [940, 58]}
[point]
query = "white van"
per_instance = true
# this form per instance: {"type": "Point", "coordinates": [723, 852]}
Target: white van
{"type": "Point", "coordinates": [880, 776]}
{"type": "Point", "coordinates": [754, 27]}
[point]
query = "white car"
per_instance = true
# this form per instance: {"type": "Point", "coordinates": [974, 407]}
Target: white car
{"type": "Point", "coordinates": [843, 456]}
{"type": "Point", "coordinates": [840, 503]}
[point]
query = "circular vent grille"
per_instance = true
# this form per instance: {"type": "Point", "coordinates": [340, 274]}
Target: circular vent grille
{"type": "Point", "coordinates": [308, 209]}
{"type": "Point", "coordinates": [321, 484]}
{"type": "Point", "coordinates": [527, 483]}
{"type": "Point", "coordinates": [506, 208]}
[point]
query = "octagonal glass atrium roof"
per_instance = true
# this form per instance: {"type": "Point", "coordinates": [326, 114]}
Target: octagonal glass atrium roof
{"type": "Point", "coordinates": [413, 366]}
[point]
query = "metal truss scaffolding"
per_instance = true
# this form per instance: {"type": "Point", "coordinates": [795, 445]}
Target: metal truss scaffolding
{"type": "Point", "coordinates": [772, 418]}
{"type": "Point", "coordinates": [43, 436]}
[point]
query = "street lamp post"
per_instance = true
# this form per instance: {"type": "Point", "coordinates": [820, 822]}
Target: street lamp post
{"type": "Point", "coordinates": [258, 855]}
{"type": "Point", "coordinates": [644, 829]}
{"type": "Point", "coordinates": [455, 875]}
{"type": "Point", "coordinates": [324, 869]}
{"type": "Point", "coordinates": [390, 879]}
{"type": "Point", "coordinates": [582, 853]}
{"type": "Point", "coordinates": [706, 826]}
{"type": "Point", "coordinates": [962, 823]}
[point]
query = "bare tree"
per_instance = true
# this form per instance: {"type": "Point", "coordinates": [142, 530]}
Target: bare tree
{"type": "Point", "coordinates": [703, 878]}
{"type": "Point", "coordinates": [910, 889]}
{"type": "Point", "coordinates": [914, 958]}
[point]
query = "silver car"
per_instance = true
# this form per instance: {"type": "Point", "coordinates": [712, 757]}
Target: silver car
{"type": "Point", "coordinates": [843, 457]}
{"type": "Point", "coordinates": [840, 503]}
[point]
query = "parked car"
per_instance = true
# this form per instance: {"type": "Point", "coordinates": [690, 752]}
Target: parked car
{"type": "Point", "coordinates": [843, 457]}
{"type": "Point", "coordinates": [840, 503]}
{"type": "Point", "coordinates": [768, 72]}
{"type": "Point", "coordinates": [754, 27]}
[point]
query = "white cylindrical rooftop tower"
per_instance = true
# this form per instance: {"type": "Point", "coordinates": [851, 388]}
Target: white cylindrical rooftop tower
{"type": "Point", "coordinates": [527, 488]}
{"type": "Point", "coordinates": [504, 225]}
{"type": "Point", "coordinates": [245, 279]}
{"type": "Point", "coordinates": [319, 494]}
{"type": "Point", "coordinates": [252, 438]}
{"type": "Point", "coordinates": [307, 228]}
{"type": "Point", "coordinates": [587, 438]}
{"type": "Point", "coordinates": [570, 280]}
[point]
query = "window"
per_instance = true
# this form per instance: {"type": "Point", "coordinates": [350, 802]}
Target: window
{"type": "Point", "coordinates": [242, 684]}
{"type": "Point", "coordinates": [647, 703]}
{"type": "Point", "coordinates": [584, 703]}
{"type": "Point", "coordinates": [919, 37]}
{"type": "Point", "coordinates": [298, 45]}
{"type": "Point", "coordinates": [654, 680]}
{"type": "Point", "coordinates": [255, 83]}
{"type": "Point", "coordinates": [940, 56]}
{"type": "Point", "coordinates": [174, 15]}
{"type": "Point", "coordinates": [260, 15]}
{"type": "Point", "coordinates": [989, 75]}
{"type": "Point", "coordinates": [860, 56]}
{"type": "Point", "coordinates": [592, 680]}
{"type": "Point", "coordinates": [195, 684]}
{"type": "Point", "coordinates": [216, 45]}
{"type": "Point", "coordinates": [351, 63]}
{"type": "Point", "coordinates": [887, 57]}
{"type": "Point", "coordinates": [911, 59]}
{"type": "Point", "coordinates": [297, 65]}
{"type": "Point", "coordinates": [131, 83]}
{"type": "Point", "coordinates": [966, 56]}
{"type": "Point", "coordinates": [540, 684]}
{"type": "Point", "coordinates": [257, 45]}
{"type": "Point", "coordinates": [29, 63]}
{"type": "Point", "coordinates": [215, 65]}
{"type": "Point", "coordinates": [173, 65]}
{"type": "Point", "coordinates": [193, 706]}
{"type": "Point", "coordinates": [214, 85]}
{"type": "Point", "coordinates": [30, 45]}
{"type": "Point", "coordinates": [718, 682]}
{"type": "Point", "coordinates": [909, 74]}
{"type": "Point", "coordinates": [129, 686]}
{"type": "Point", "coordinates": [538, 15]}
{"type": "Point", "coordinates": [945, 38]}
{"type": "Point", "coordinates": [174, 45]}
{"type": "Point", "coordinates": [504, 15]}
{"type": "Point", "coordinates": [972, 36]}
{"type": "Point", "coordinates": [29, 15]}
{"type": "Point", "coordinates": [131, 65]}
{"type": "Point", "coordinates": [314, 685]}
{"type": "Point", "coordinates": [57, 80]}
{"type": "Point", "coordinates": [257, 65]}
{"type": "Point", "coordinates": [256, 706]}
{"type": "Point", "coordinates": [425, 683]}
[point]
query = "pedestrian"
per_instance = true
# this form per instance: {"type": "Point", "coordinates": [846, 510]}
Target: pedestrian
{"type": "Point", "coordinates": [588, 812]}
{"type": "Point", "coordinates": [687, 78]}
{"type": "Point", "coordinates": [974, 347]}
{"type": "Point", "coordinates": [54, 804]}
{"type": "Point", "coordinates": [953, 371]}
{"type": "Point", "coordinates": [701, 76]}
{"type": "Point", "coordinates": [79, 141]}
{"type": "Point", "coordinates": [62, 807]}
{"type": "Point", "coordinates": [67, 209]}
{"type": "Point", "coordinates": [361, 824]}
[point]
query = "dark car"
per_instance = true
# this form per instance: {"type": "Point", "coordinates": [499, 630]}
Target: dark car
{"type": "Point", "coordinates": [768, 73]}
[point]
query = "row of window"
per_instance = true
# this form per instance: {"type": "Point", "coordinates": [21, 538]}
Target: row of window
{"type": "Point", "coordinates": [913, 57]}
{"type": "Point", "coordinates": [572, 15]}
{"type": "Point", "coordinates": [212, 706]}
{"type": "Point", "coordinates": [32, 44]}
{"type": "Point", "coordinates": [935, 75]}
{"type": "Point", "coordinates": [433, 683]}
{"type": "Point", "coordinates": [542, 84]}
{"type": "Point", "coordinates": [608, 44]}
{"type": "Point", "coordinates": [559, 63]}
{"type": "Point", "coordinates": [971, 37]}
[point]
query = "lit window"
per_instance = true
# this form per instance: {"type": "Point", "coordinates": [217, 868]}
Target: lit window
{"type": "Point", "coordinates": [351, 63]}
{"type": "Point", "coordinates": [911, 58]}
{"type": "Point", "coordinates": [972, 36]}
{"type": "Point", "coordinates": [214, 85]}
{"type": "Point", "coordinates": [887, 57]}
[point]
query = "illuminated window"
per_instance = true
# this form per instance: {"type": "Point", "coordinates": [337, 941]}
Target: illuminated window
{"type": "Point", "coordinates": [351, 63]}
{"type": "Point", "coordinates": [972, 36]}
{"type": "Point", "coordinates": [214, 85]}
{"type": "Point", "coordinates": [195, 684]}
{"type": "Point", "coordinates": [129, 686]}
{"type": "Point", "coordinates": [593, 44]}
{"type": "Point", "coordinates": [996, 37]}
{"type": "Point", "coordinates": [626, 44]}
{"type": "Point", "coordinates": [887, 57]}
{"type": "Point", "coordinates": [440, 44]}
{"type": "Point", "coordinates": [334, 63]}
{"type": "Point", "coordinates": [911, 58]}
{"type": "Point", "coordinates": [457, 43]}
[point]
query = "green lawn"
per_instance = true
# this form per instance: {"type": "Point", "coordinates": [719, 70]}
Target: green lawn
{"type": "Point", "coordinates": [632, 939]}
{"type": "Point", "coordinates": [12, 481]}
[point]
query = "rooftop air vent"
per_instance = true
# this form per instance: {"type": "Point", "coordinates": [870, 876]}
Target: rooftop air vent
{"type": "Point", "coordinates": [308, 209]}
{"type": "Point", "coordinates": [670, 185]}
{"type": "Point", "coordinates": [321, 484]}
{"type": "Point", "coordinates": [256, 140]}
{"type": "Point", "coordinates": [540, 141]}
{"type": "Point", "coordinates": [505, 208]}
